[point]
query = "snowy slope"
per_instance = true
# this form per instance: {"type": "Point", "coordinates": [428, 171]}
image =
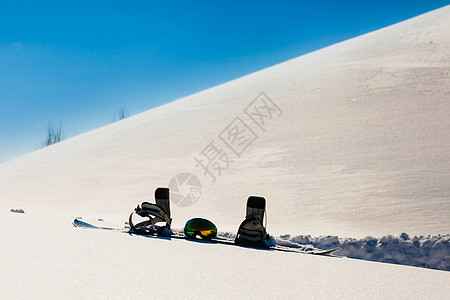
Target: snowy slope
{"type": "Point", "coordinates": [361, 145]}
{"type": "Point", "coordinates": [48, 258]}
{"type": "Point", "coordinates": [357, 145]}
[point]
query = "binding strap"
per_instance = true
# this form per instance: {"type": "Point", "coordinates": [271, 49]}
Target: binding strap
{"type": "Point", "coordinates": [154, 212]}
{"type": "Point", "coordinates": [251, 232]}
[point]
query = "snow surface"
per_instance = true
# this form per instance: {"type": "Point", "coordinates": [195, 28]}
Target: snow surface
{"type": "Point", "coordinates": [361, 147]}
{"type": "Point", "coordinates": [357, 146]}
{"type": "Point", "coordinates": [46, 258]}
{"type": "Point", "coordinates": [429, 252]}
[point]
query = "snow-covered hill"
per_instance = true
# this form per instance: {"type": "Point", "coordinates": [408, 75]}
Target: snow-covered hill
{"type": "Point", "coordinates": [351, 140]}
{"type": "Point", "coordinates": [361, 145]}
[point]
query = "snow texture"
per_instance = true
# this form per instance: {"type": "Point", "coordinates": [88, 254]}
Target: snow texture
{"type": "Point", "coordinates": [358, 146]}
{"type": "Point", "coordinates": [424, 251]}
{"type": "Point", "coordinates": [430, 252]}
{"type": "Point", "coordinates": [47, 258]}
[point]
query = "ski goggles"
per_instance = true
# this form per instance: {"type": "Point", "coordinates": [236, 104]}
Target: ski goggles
{"type": "Point", "coordinates": [200, 227]}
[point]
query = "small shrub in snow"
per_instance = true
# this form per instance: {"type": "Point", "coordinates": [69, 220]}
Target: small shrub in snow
{"type": "Point", "coordinates": [53, 135]}
{"type": "Point", "coordinates": [17, 210]}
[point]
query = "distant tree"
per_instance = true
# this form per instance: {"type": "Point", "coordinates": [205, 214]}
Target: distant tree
{"type": "Point", "coordinates": [121, 114]}
{"type": "Point", "coordinates": [53, 134]}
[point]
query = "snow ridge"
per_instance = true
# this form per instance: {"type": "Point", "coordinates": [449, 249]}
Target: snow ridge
{"type": "Point", "coordinates": [428, 252]}
{"type": "Point", "coordinates": [431, 252]}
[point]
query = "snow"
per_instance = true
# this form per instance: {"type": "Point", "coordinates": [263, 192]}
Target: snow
{"type": "Point", "coordinates": [357, 146]}
{"type": "Point", "coordinates": [327, 165]}
{"type": "Point", "coordinates": [429, 252]}
{"type": "Point", "coordinates": [49, 258]}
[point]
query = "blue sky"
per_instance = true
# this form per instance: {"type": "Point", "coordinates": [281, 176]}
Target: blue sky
{"type": "Point", "coordinates": [78, 62]}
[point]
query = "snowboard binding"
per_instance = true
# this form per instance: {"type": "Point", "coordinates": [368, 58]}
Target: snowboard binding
{"type": "Point", "coordinates": [252, 232]}
{"type": "Point", "coordinates": [156, 213]}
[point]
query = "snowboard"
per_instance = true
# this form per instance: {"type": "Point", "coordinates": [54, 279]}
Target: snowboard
{"type": "Point", "coordinates": [217, 240]}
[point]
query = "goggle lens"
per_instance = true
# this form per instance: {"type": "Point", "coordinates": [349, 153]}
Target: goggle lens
{"type": "Point", "coordinates": [202, 227]}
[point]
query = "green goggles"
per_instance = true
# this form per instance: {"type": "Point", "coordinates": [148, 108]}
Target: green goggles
{"type": "Point", "coordinates": [200, 227]}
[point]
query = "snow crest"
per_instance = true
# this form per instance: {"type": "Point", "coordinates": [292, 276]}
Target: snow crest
{"type": "Point", "coordinates": [424, 251]}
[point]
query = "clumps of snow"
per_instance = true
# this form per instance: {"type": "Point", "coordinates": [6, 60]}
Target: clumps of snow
{"type": "Point", "coordinates": [271, 242]}
{"type": "Point", "coordinates": [227, 235]}
{"type": "Point", "coordinates": [429, 252]}
{"type": "Point", "coordinates": [17, 210]}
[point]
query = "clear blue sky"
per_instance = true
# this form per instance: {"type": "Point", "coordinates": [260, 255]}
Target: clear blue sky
{"type": "Point", "coordinates": [78, 62]}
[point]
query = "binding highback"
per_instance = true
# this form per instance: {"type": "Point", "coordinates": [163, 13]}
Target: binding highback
{"type": "Point", "coordinates": [256, 206]}
{"type": "Point", "coordinates": [252, 232]}
{"type": "Point", "coordinates": [162, 199]}
{"type": "Point", "coordinates": [156, 213]}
